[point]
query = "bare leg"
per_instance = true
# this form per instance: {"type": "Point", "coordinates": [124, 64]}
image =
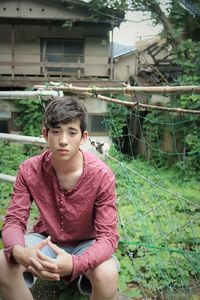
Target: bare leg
{"type": "Point", "coordinates": [104, 280]}
{"type": "Point", "coordinates": [12, 284]}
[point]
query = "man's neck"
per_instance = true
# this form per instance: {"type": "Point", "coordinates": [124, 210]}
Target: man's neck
{"type": "Point", "coordinates": [73, 165]}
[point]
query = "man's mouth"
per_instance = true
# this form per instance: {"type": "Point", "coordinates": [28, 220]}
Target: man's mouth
{"type": "Point", "coordinates": [63, 150]}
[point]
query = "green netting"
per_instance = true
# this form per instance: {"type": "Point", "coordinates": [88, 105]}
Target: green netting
{"type": "Point", "coordinates": [158, 201]}
{"type": "Point", "coordinates": [160, 234]}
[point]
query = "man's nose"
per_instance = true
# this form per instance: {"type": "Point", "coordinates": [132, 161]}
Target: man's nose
{"type": "Point", "coordinates": [63, 139]}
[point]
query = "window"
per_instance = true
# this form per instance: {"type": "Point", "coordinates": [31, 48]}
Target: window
{"type": "Point", "coordinates": [96, 125]}
{"type": "Point", "coordinates": [15, 118]}
{"type": "Point", "coordinates": [4, 126]}
{"type": "Point", "coordinates": [63, 51]}
{"type": "Point", "coordinates": [5, 117]}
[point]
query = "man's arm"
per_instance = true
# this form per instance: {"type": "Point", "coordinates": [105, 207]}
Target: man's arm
{"type": "Point", "coordinates": [106, 229]}
{"type": "Point", "coordinates": [14, 225]}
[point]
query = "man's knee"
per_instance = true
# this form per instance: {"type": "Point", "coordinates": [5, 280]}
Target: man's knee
{"type": "Point", "coordinates": [7, 269]}
{"type": "Point", "coordinates": [3, 264]}
{"type": "Point", "coordinates": [106, 273]}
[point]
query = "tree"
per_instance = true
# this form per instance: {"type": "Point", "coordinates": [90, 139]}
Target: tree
{"type": "Point", "coordinates": [175, 18]}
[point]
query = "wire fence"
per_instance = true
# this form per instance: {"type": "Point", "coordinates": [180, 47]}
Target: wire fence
{"type": "Point", "coordinates": [158, 197]}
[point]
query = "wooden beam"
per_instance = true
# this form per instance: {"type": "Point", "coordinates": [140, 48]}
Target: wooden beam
{"type": "Point", "coordinates": [7, 178]}
{"type": "Point", "coordinates": [29, 94]}
{"type": "Point", "coordinates": [124, 90]}
{"type": "Point", "coordinates": [22, 139]}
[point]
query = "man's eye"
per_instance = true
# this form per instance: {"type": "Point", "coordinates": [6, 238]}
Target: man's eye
{"type": "Point", "coordinates": [55, 131]}
{"type": "Point", "coordinates": [72, 133]}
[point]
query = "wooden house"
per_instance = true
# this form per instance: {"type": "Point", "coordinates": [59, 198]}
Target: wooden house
{"type": "Point", "coordinates": [53, 40]}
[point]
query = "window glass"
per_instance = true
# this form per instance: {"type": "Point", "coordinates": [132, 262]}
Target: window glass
{"type": "Point", "coordinates": [96, 125]}
{"type": "Point", "coordinates": [4, 126]}
{"type": "Point", "coordinates": [63, 51]}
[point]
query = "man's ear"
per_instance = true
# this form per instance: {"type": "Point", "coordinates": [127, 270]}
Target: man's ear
{"type": "Point", "coordinates": [84, 137]}
{"type": "Point", "coordinates": [45, 133]}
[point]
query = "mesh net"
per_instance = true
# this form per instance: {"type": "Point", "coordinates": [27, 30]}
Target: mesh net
{"type": "Point", "coordinates": [158, 201]}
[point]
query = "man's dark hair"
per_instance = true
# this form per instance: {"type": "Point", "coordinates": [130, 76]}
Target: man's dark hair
{"type": "Point", "coordinates": [64, 110]}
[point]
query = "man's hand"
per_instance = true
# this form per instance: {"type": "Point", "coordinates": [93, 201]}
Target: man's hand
{"type": "Point", "coordinates": [48, 268]}
{"type": "Point", "coordinates": [23, 254]}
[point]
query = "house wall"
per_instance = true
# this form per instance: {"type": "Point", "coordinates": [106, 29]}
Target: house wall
{"type": "Point", "coordinates": [97, 50]}
{"type": "Point", "coordinates": [25, 40]}
{"type": "Point", "coordinates": [7, 109]}
{"type": "Point", "coordinates": [8, 106]}
{"type": "Point", "coordinates": [125, 66]}
{"type": "Point", "coordinates": [95, 106]}
{"type": "Point", "coordinates": [27, 47]}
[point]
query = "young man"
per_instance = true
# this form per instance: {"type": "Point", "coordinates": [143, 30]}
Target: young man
{"type": "Point", "coordinates": [76, 233]}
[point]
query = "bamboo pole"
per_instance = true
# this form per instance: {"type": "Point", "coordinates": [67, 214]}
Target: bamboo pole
{"type": "Point", "coordinates": [27, 94]}
{"type": "Point", "coordinates": [122, 90]}
{"type": "Point", "coordinates": [136, 105]}
{"type": "Point", "coordinates": [39, 141]}
{"type": "Point", "coordinates": [7, 178]}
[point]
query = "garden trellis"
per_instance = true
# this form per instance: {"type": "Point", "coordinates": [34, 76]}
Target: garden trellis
{"type": "Point", "coordinates": [159, 225]}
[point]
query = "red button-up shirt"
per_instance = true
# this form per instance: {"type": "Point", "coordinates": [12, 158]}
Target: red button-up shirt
{"type": "Point", "coordinates": [86, 212]}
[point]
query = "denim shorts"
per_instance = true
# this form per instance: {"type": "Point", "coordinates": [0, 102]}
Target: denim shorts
{"type": "Point", "coordinates": [83, 282]}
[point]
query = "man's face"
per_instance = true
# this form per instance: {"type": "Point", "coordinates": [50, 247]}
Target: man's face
{"type": "Point", "coordinates": [64, 140]}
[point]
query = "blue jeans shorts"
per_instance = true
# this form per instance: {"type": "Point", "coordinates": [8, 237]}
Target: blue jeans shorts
{"type": "Point", "coordinates": [83, 282]}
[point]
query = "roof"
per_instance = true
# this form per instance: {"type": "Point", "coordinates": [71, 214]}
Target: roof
{"type": "Point", "coordinates": [75, 11]}
{"type": "Point", "coordinates": [190, 7]}
{"type": "Point", "coordinates": [120, 50]}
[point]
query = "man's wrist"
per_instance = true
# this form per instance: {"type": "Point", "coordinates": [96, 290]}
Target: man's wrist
{"type": "Point", "coordinates": [17, 252]}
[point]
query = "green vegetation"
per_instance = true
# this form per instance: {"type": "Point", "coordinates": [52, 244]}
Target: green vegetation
{"type": "Point", "coordinates": [31, 119]}
{"type": "Point", "coordinates": [159, 226]}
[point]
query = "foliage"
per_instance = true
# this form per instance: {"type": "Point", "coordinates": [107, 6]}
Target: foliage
{"type": "Point", "coordinates": [184, 22]}
{"type": "Point", "coordinates": [116, 121]}
{"type": "Point", "coordinates": [12, 154]}
{"type": "Point", "coordinates": [108, 11]}
{"type": "Point", "coordinates": [31, 119]}
{"type": "Point", "coordinates": [187, 56]}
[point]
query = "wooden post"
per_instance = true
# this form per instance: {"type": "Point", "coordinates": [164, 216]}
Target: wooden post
{"type": "Point", "coordinates": [13, 50]}
{"type": "Point", "coordinates": [111, 57]}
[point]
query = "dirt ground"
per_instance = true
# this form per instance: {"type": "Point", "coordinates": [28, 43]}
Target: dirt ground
{"type": "Point", "coordinates": [44, 290]}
